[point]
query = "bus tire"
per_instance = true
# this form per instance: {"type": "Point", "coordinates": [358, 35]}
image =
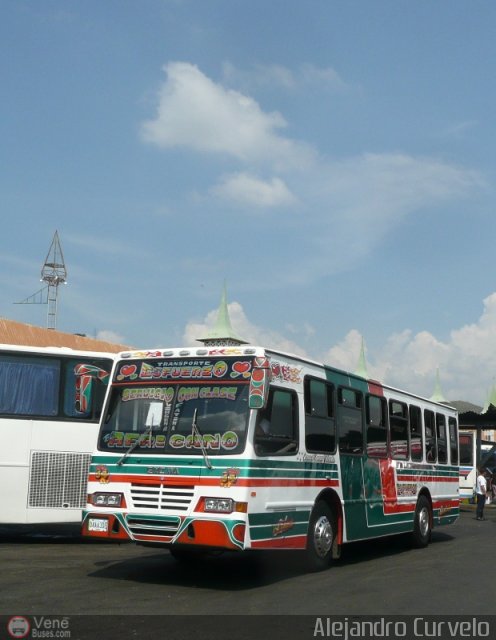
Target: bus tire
{"type": "Point", "coordinates": [321, 532]}
{"type": "Point", "coordinates": [422, 526]}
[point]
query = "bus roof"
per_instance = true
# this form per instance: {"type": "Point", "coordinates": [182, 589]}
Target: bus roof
{"type": "Point", "coordinates": [257, 351]}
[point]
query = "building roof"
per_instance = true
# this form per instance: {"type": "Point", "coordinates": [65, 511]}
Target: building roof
{"type": "Point", "coordinates": [18, 333]}
{"type": "Point", "coordinates": [464, 407]}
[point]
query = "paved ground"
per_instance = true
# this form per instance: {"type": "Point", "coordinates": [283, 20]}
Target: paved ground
{"type": "Point", "coordinates": [63, 576]}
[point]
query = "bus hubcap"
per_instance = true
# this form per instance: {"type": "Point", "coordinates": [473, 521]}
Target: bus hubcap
{"type": "Point", "coordinates": [424, 522]}
{"type": "Point", "coordinates": [322, 536]}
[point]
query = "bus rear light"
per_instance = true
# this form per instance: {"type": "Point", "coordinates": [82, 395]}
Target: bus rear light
{"type": "Point", "coordinates": [102, 499]}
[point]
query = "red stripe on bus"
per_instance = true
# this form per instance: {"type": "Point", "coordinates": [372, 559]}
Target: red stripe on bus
{"type": "Point", "coordinates": [215, 482]}
{"type": "Point", "coordinates": [423, 478]}
{"type": "Point", "coordinates": [294, 542]}
{"type": "Point", "coordinates": [376, 388]}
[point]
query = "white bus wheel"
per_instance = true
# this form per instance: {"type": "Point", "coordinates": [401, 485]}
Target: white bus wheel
{"type": "Point", "coordinates": [321, 532]}
{"type": "Point", "coordinates": [422, 526]}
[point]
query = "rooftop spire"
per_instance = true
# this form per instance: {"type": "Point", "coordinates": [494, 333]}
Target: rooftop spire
{"type": "Point", "coordinates": [490, 400]}
{"type": "Point", "coordinates": [361, 369]}
{"type": "Point", "coordinates": [222, 333]}
{"type": "Point", "coordinates": [437, 396]}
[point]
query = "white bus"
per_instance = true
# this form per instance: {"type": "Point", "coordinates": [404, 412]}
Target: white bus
{"type": "Point", "coordinates": [234, 448]}
{"type": "Point", "coordinates": [468, 461]}
{"type": "Point", "coordinates": [49, 411]}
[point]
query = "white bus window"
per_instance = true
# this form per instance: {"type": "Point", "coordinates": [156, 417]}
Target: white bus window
{"type": "Point", "coordinates": [350, 421]}
{"type": "Point", "coordinates": [453, 435]}
{"type": "Point", "coordinates": [376, 435]}
{"type": "Point", "coordinates": [320, 427]}
{"type": "Point", "coordinates": [398, 425]}
{"type": "Point", "coordinates": [416, 440]}
{"type": "Point", "coordinates": [466, 449]}
{"type": "Point", "coordinates": [442, 445]}
{"type": "Point", "coordinates": [29, 386]}
{"type": "Point", "coordinates": [277, 426]}
{"type": "Point", "coordinates": [430, 436]}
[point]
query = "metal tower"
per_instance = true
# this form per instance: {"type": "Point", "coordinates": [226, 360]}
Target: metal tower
{"type": "Point", "coordinates": [53, 273]}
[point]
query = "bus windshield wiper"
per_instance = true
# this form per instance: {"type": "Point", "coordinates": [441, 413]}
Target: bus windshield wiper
{"type": "Point", "coordinates": [147, 431]}
{"type": "Point", "coordinates": [196, 432]}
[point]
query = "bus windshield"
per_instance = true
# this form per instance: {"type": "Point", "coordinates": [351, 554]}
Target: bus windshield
{"type": "Point", "coordinates": [159, 419]}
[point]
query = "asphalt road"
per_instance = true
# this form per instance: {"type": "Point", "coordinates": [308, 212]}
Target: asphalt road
{"type": "Point", "coordinates": [61, 576]}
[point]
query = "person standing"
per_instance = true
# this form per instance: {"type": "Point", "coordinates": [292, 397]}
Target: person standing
{"type": "Point", "coordinates": [481, 490]}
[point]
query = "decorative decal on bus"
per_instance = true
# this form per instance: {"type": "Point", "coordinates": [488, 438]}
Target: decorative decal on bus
{"type": "Point", "coordinates": [184, 370]}
{"type": "Point", "coordinates": [166, 394]}
{"type": "Point", "coordinates": [229, 477]}
{"type": "Point", "coordinates": [241, 368]}
{"type": "Point", "coordinates": [102, 474]}
{"type": "Point", "coordinates": [282, 526]}
{"type": "Point", "coordinates": [121, 439]}
{"type": "Point", "coordinates": [285, 373]}
{"type": "Point", "coordinates": [214, 442]}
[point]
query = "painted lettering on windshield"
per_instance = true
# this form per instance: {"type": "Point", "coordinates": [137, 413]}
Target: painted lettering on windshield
{"type": "Point", "coordinates": [184, 370]}
{"type": "Point", "coordinates": [211, 441]}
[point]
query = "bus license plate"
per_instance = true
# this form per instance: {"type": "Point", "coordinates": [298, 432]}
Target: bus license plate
{"type": "Point", "coordinates": [98, 524]}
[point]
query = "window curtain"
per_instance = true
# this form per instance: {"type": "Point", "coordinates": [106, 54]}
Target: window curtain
{"type": "Point", "coordinates": [29, 388]}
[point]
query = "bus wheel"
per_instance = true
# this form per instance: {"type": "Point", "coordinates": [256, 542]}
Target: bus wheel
{"type": "Point", "coordinates": [422, 526]}
{"type": "Point", "coordinates": [321, 532]}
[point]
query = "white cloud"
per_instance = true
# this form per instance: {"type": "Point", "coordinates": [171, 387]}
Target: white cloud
{"type": "Point", "coordinates": [304, 76]}
{"type": "Point", "coordinates": [347, 205]}
{"type": "Point", "coordinates": [467, 361]}
{"type": "Point", "coordinates": [197, 113]}
{"type": "Point", "coordinates": [350, 205]}
{"type": "Point", "coordinates": [243, 328]}
{"type": "Point", "coordinates": [110, 336]}
{"type": "Point", "coordinates": [245, 189]}
{"type": "Point", "coordinates": [458, 130]}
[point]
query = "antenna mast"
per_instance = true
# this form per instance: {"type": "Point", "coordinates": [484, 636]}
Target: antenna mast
{"type": "Point", "coordinates": [53, 273]}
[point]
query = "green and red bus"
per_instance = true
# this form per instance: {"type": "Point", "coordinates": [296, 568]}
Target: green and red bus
{"type": "Point", "coordinates": [241, 447]}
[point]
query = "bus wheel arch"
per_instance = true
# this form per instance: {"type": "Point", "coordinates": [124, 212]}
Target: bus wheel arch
{"type": "Point", "coordinates": [324, 536]}
{"type": "Point", "coordinates": [423, 520]}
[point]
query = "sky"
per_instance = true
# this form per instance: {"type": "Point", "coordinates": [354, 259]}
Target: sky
{"type": "Point", "coordinates": [331, 161]}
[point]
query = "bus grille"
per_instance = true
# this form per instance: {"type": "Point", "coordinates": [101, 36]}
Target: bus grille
{"type": "Point", "coordinates": [153, 526]}
{"type": "Point", "coordinates": [163, 497]}
{"type": "Point", "coordinates": [58, 480]}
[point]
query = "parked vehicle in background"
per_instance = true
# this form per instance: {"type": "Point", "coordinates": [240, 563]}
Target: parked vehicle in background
{"type": "Point", "coordinates": [50, 404]}
{"type": "Point", "coordinates": [468, 461]}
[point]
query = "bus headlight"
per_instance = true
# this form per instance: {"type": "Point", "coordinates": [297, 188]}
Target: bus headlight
{"type": "Point", "coordinates": [219, 505]}
{"type": "Point", "coordinates": [107, 499]}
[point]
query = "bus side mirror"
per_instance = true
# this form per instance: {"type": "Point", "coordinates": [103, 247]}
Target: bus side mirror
{"type": "Point", "coordinates": [259, 384]}
{"type": "Point", "coordinates": [86, 375]}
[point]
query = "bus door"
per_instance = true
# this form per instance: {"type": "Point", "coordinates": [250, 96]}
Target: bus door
{"type": "Point", "coordinates": [350, 429]}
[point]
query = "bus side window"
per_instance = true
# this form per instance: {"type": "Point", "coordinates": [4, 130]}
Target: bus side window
{"type": "Point", "coordinates": [398, 425]}
{"type": "Point", "coordinates": [416, 441]}
{"type": "Point", "coordinates": [430, 436]}
{"type": "Point", "coordinates": [320, 426]}
{"type": "Point", "coordinates": [29, 385]}
{"type": "Point", "coordinates": [376, 435]}
{"type": "Point", "coordinates": [453, 435]}
{"type": "Point", "coordinates": [442, 445]}
{"type": "Point", "coordinates": [466, 449]}
{"type": "Point", "coordinates": [350, 420]}
{"type": "Point", "coordinates": [276, 432]}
